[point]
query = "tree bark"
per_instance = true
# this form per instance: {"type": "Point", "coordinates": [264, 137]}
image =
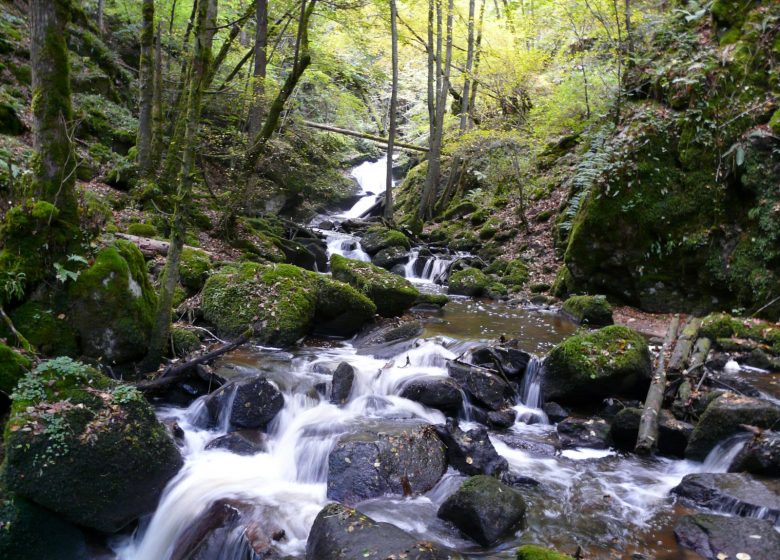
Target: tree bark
{"type": "Point", "coordinates": [225, 48]}
{"type": "Point", "coordinates": [54, 165]}
{"type": "Point", "coordinates": [158, 115]}
{"type": "Point", "coordinates": [146, 86]}
{"type": "Point", "coordinates": [100, 10]}
{"type": "Point", "coordinates": [204, 36]}
{"type": "Point", "coordinates": [260, 70]}
{"type": "Point", "coordinates": [466, 96]}
{"type": "Point", "coordinates": [393, 109]}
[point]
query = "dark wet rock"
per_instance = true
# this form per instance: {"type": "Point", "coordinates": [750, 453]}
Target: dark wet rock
{"type": "Point", "coordinates": [757, 358]}
{"type": "Point", "coordinates": [501, 419]}
{"type": "Point", "coordinates": [518, 481]}
{"type": "Point", "coordinates": [761, 455]}
{"type": "Point", "coordinates": [509, 361]}
{"type": "Point", "coordinates": [611, 407]}
{"type": "Point", "coordinates": [342, 533]}
{"type": "Point", "coordinates": [244, 442]}
{"type": "Point", "coordinates": [482, 387]}
{"type": "Point", "coordinates": [442, 393]}
{"type": "Point", "coordinates": [533, 445]}
{"type": "Point", "coordinates": [673, 434]}
{"type": "Point", "coordinates": [579, 432]}
{"type": "Point", "coordinates": [343, 378]}
{"type": "Point", "coordinates": [737, 494]}
{"type": "Point", "coordinates": [555, 412]}
{"type": "Point", "coordinates": [471, 452]}
{"type": "Point", "coordinates": [611, 361]}
{"type": "Point", "coordinates": [723, 417]}
{"type": "Point", "coordinates": [484, 509]}
{"type": "Point", "coordinates": [389, 340]}
{"type": "Point", "coordinates": [319, 251]}
{"type": "Point", "coordinates": [390, 257]}
{"type": "Point", "coordinates": [29, 532]}
{"type": "Point", "coordinates": [718, 536]}
{"type": "Point", "coordinates": [401, 459]}
{"type": "Point", "coordinates": [327, 225]}
{"type": "Point", "coordinates": [255, 404]}
{"type": "Point", "coordinates": [230, 525]}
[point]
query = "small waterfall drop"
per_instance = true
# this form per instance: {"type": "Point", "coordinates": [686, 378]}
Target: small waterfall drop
{"type": "Point", "coordinates": [529, 409]}
{"type": "Point", "coordinates": [721, 457]}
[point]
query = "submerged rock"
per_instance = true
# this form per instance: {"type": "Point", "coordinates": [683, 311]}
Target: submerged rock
{"type": "Point", "coordinates": [484, 509]}
{"type": "Point", "coordinates": [244, 442]}
{"type": "Point", "coordinates": [471, 452]}
{"type": "Point", "coordinates": [442, 393]}
{"type": "Point", "coordinates": [483, 387]}
{"type": "Point", "coordinates": [86, 448]}
{"type": "Point", "coordinates": [343, 378]}
{"type": "Point", "coordinates": [723, 417]}
{"type": "Point", "coordinates": [401, 459]}
{"type": "Point", "coordinates": [733, 493]}
{"type": "Point", "coordinates": [342, 533]}
{"type": "Point", "coordinates": [718, 536]}
{"type": "Point", "coordinates": [611, 361]}
{"type": "Point", "coordinates": [391, 294]}
{"type": "Point", "coordinates": [253, 403]}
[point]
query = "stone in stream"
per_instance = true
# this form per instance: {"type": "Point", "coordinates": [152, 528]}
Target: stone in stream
{"type": "Point", "coordinates": [733, 493]}
{"type": "Point", "coordinates": [555, 412]}
{"type": "Point", "coordinates": [469, 282]}
{"type": "Point", "coordinates": [387, 341]}
{"type": "Point", "coordinates": [722, 418]}
{"type": "Point", "coordinates": [391, 293]}
{"type": "Point", "coordinates": [483, 387]}
{"type": "Point", "coordinates": [378, 238]}
{"type": "Point", "coordinates": [673, 434]}
{"type": "Point", "coordinates": [255, 402]}
{"type": "Point", "coordinates": [611, 361]}
{"type": "Point", "coordinates": [471, 452]}
{"type": "Point", "coordinates": [403, 458]}
{"type": "Point", "coordinates": [594, 311]}
{"type": "Point", "coordinates": [442, 393]}
{"type": "Point", "coordinates": [388, 258]}
{"type": "Point", "coordinates": [244, 442]}
{"type": "Point", "coordinates": [509, 361]}
{"type": "Point", "coordinates": [484, 509]}
{"type": "Point", "coordinates": [761, 455]}
{"type": "Point", "coordinates": [343, 378]}
{"type": "Point", "coordinates": [717, 536]}
{"type": "Point", "coordinates": [579, 432]}
{"type": "Point", "coordinates": [342, 533]}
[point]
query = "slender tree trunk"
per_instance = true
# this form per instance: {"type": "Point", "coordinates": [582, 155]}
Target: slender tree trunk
{"type": "Point", "coordinates": [466, 97]}
{"type": "Point", "coordinates": [158, 115]}
{"type": "Point", "coordinates": [393, 109]}
{"type": "Point", "coordinates": [431, 75]}
{"type": "Point", "coordinates": [100, 12]}
{"type": "Point", "coordinates": [619, 100]}
{"type": "Point", "coordinates": [204, 36]}
{"type": "Point", "coordinates": [146, 86]}
{"type": "Point", "coordinates": [54, 165]}
{"type": "Point", "coordinates": [229, 40]}
{"type": "Point", "coordinates": [629, 33]}
{"type": "Point", "coordinates": [173, 15]}
{"type": "Point", "coordinates": [261, 69]}
{"type": "Point", "coordinates": [477, 59]}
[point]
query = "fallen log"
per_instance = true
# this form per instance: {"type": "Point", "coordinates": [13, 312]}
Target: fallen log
{"type": "Point", "coordinates": [647, 438]}
{"type": "Point", "coordinates": [700, 352]}
{"type": "Point", "coordinates": [364, 136]}
{"type": "Point", "coordinates": [684, 346]}
{"type": "Point", "coordinates": [153, 247]}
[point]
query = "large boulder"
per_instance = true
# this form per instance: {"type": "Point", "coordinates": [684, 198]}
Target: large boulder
{"type": "Point", "coordinates": [342, 533]}
{"type": "Point", "coordinates": [717, 536]}
{"type": "Point", "coordinates": [379, 238]}
{"type": "Point", "coordinates": [482, 387]}
{"type": "Point", "coordinates": [435, 391]}
{"type": "Point", "coordinates": [391, 294]}
{"type": "Point", "coordinates": [253, 404]}
{"type": "Point", "coordinates": [723, 417]}
{"type": "Point", "coordinates": [761, 455]}
{"type": "Point", "coordinates": [471, 452]}
{"type": "Point", "coordinates": [591, 310]}
{"type": "Point", "coordinates": [281, 303]}
{"type": "Point", "coordinates": [469, 282]}
{"type": "Point", "coordinates": [733, 493]}
{"type": "Point", "coordinates": [112, 305]}
{"type": "Point", "coordinates": [85, 447]}
{"type": "Point", "coordinates": [587, 366]}
{"type": "Point", "coordinates": [401, 459]}
{"type": "Point", "coordinates": [484, 509]}
{"type": "Point", "coordinates": [511, 362]}
{"type": "Point", "coordinates": [13, 366]}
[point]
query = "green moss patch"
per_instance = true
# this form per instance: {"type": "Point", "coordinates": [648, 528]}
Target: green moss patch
{"type": "Point", "coordinates": [533, 552]}
{"type": "Point", "coordinates": [391, 294]}
{"type": "Point", "coordinates": [469, 282]}
{"type": "Point", "coordinates": [12, 367]}
{"type": "Point", "coordinates": [592, 310]}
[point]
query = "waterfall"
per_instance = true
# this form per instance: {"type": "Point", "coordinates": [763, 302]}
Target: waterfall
{"type": "Point", "coordinates": [721, 457]}
{"type": "Point", "coordinates": [529, 409]}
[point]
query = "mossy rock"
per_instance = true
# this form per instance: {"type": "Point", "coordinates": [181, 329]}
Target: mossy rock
{"type": "Point", "coordinates": [391, 294]}
{"type": "Point", "coordinates": [85, 447]}
{"type": "Point", "coordinates": [46, 327]}
{"type": "Point", "coordinates": [281, 303]}
{"type": "Point", "coordinates": [730, 12]}
{"type": "Point", "coordinates": [469, 282]}
{"type": "Point", "coordinates": [592, 365]}
{"type": "Point", "coordinates": [496, 290]}
{"type": "Point", "coordinates": [194, 269]}
{"type": "Point", "coordinates": [380, 238]}
{"type": "Point", "coordinates": [533, 552]}
{"type": "Point", "coordinates": [13, 366]}
{"type": "Point", "coordinates": [142, 229]}
{"type": "Point", "coordinates": [10, 123]}
{"type": "Point", "coordinates": [432, 299]}
{"type": "Point", "coordinates": [719, 327]}
{"type": "Point", "coordinates": [113, 304]}
{"type": "Point", "coordinates": [30, 532]}
{"type": "Point", "coordinates": [774, 122]}
{"type": "Point", "coordinates": [591, 310]}
{"type": "Point", "coordinates": [459, 209]}
{"type": "Point", "coordinates": [185, 342]}
{"type": "Point", "coordinates": [515, 273]}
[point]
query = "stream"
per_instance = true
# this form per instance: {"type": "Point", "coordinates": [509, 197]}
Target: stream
{"type": "Point", "coordinates": [610, 504]}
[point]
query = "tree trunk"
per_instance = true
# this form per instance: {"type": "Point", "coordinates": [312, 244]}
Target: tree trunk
{"type": "Point", "coordinates": [204, 36]}
{"type": "Point", "coordinates": [261, 69]}
{"type": "Point", "coordinates": [54, 165]}
{"type": "Point", "coordinates": [100, 11]}
{"type": "Point", "coordinates": [225, 48]}
{"type": "Point", "coordinates": [365, 136]}
{"type": "Point", "coordinates": [431, 75]}
{"type": "Point", "coordinates": [146, 86]}
{"type": "Point", "coordinates": [158, 115]}
{"type": "Point", "coordinates": [466, 97]}
{"type": "Point", "coordinates": [393, 109]}
{"type": "Point", "coordinates": [477, 59]}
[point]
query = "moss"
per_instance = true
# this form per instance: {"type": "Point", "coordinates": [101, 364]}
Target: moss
{"type": "Point", "coordinates": [593, 310]}
{"type": "Point", "coordinates": [774, 122]}
{"type": "Point", "coordinates": [729, 12]}
{"type": "Point", "coordinates": [12, 367]}
{"type": "Point", "coordinates": [488, 232]}
{"type": "Point", "coordinates": [341, 309]}
{"type": "Point", "coordinates": [469, 282]}
{"type": "Point", "coordinates": [720, 326]}
{"type": "Point", "coordinates": [184, 342]}
{"type": "Point", "coordinates": [515, 274]}
{"type": "Point", "coordinates": [433, 299]}
{"type": "Point", "coordinates": [533, 552]}
{"type": "Point", "coordinates": [391, 294]}
{"type": "Point", "coordinates": [496, 290]}
{"type": "Point", "coordinates": [479, 217]}
{"type": "Point", "coordinates": [379, 238]}
{"type": "Point", "coordinates": [194, 269]}
{"type": "Point", "coordinates": [31, 532]}
{"type": "Point", "coordinates": [46, 327]}
{"type": "Point", "coordinates": [459, 209]}
{"type": "Point", "coordinates": [142, 230]}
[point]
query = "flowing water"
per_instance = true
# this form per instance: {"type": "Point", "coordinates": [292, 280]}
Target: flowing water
{"type": "Point", "coordinates": [610, 504]}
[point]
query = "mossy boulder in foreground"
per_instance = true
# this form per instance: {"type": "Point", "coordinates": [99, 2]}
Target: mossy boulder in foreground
{"type": "Point", "coordinates": [86, 448]}
{"type": "Point", "coordinates": [469, 282]}
{"type": "Point", "coordinates": [113, 305]}
{"type": "Point", "coordinates": [611, 361]}
{"type": "Point", "coordinates": [592, 310]}
{"type": "Point", "coordinates": [391, 294]}
{"type": "Point", "coordinates": [282, 303]}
